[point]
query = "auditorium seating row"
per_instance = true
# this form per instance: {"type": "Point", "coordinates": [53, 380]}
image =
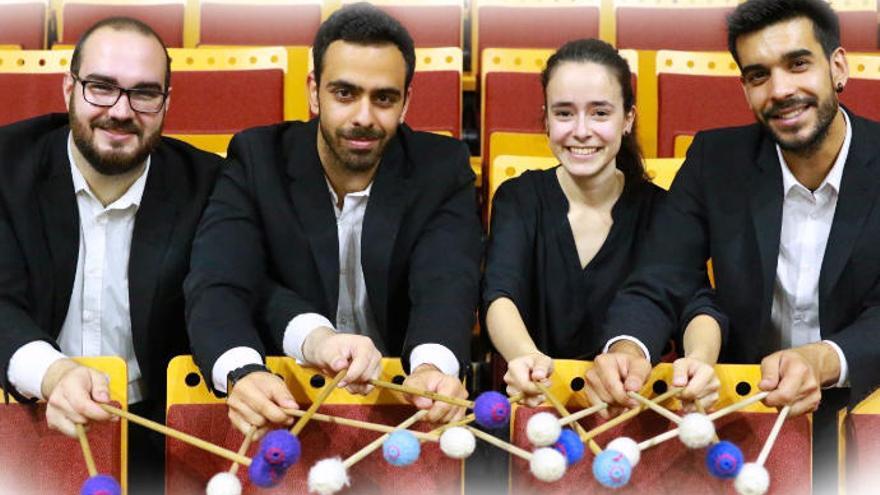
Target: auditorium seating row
{"type": "Point", "coordinates": [678, 93]}
{"type": "Point", "coordinates": [257, 86]}
{"type": "Point", "coordinates": [634, 24]}
{"type": "Point", "coordinates": [38, 460]}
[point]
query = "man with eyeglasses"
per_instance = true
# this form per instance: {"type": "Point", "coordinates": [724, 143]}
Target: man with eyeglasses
{"type": "Point", "coordinates": [97, 216]}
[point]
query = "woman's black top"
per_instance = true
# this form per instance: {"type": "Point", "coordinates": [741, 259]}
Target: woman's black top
{"type": "Point", "coordinates": [533, 260]}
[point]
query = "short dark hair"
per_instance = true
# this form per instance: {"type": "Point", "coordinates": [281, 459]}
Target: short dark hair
{"type": "Point", "coordinates": [120, 24]}
{"type": "Point", "coordinates": [629, 158]}
{"type": "Point", "coordinates": [755, 15]}
{"type": "Point", "coordinates": [363, 24]}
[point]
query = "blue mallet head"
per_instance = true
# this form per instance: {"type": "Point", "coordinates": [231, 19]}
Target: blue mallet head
{"type": "Point", "coordinates": [492, 410]}
{"type": "Point", "coordinates": [101, 484]}
{"type": "Point", "coordinates": [724, 460]}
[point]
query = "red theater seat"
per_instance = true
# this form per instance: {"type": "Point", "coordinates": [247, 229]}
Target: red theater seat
{"type": "Point", "coordinates": [531, 23]}
{"type": "Point", "coordinates": [166, 17]}
{"type": "Point", "coordinates": [30, 83]}
{"type": "Point", "coordinates": [657, 24]}
{"type": "Point", "coordinates": [862, 93]}
{"type": "Point", "coordinates": [696, 91]}
{"type": "Point", "coordinates": [23, 23]}
{"type": "Point", "coordinates": [220, 91]}
{"type": "Point", "coordinates": [701, 90]}
{"type": "Point", "coordinates": [671, 468]}
{"type": "Point", "coordinates": [511, 118]}
{"type": "Point", "coordinates": [862, 448]}
{"type": "Point", "coordinates": [194, 410]}
{"type": "Point", "coordinates": [858, 24]}
{"type": "Point", "coordinates": [259, 22]}
{"type": "Point", "coordinates": [35, 459]}
{"type": "Point", "coordinates": [436, 102]}
{"type": "Point", "coordinates": [431, 23]}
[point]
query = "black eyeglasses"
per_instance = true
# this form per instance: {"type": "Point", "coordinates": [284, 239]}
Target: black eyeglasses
{"type": "Point", "coordinates": [104, 94]}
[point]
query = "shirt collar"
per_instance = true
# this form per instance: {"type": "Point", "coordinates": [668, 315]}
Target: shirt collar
{"type": "Point", "coordinates": [132, 196]}
{"type": "Point", "coordinates": [356, 194]}
{"type": "Point", "coordinates": [835, 175]}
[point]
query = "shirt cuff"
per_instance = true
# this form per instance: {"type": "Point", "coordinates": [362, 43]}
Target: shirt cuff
{"type": "Point", "coordinates": [28, 367]}
{"type": "Point", "coordinates": [630, 339]}
{"type": "Point", "coordinates": [434, 354]}
{"type": "Point", "coordinates": [843, 381]}
{"type": "Point", "coordinates": [298, 330]}
{"type": "Point", "coordinates": [232, 360]}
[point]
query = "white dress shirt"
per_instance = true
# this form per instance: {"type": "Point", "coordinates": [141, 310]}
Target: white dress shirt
{"type": "Point", "coordinates": [353, 312]}
{"type": "Point", "coordinates": [98, 321]}
{"type": "Point", "coordinates": [806, 223]}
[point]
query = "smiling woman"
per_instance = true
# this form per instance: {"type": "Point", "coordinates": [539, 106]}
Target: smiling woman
{"type": "Point", "coordinates": [562, 241]}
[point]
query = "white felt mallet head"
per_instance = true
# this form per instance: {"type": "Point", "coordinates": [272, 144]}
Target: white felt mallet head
{"type": "Point", "coordinates": [548, 464]}
{"type": "Point", "coordinates": [224, 483]}
{"type": "Point", "coordinates": [752, 479]}
{"type": "Point", "coordinates": [696, 430]}
{"type": "Point", "coordinates": [458, 442]}
{"type": "Point", "coordinates": [543, 429]}
{"type": "Point", "coordinates": [628, 447]}
{"type": "Point", "coordinates": [328, 476]}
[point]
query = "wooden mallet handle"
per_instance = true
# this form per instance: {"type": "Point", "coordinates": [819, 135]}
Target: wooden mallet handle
{"type": "Point", "coordinates": [178, 435]}
{"type": "Point", "coordinates": [354, 423]}
{"type": "Point", "coordinates": [651, 442]}
{"type": "Point", "coordinates": [560, 408]}
{"type": "Point", "coordinates": [86, 450]}
{"type": "Point", "coordinates": [328, 389]}
{"type": "Point", "coordinates": [455, 401]}
{"type": "Point", "coordinates": [375, 444]}
{"type": "Point", "coordinates": [771, 439]}
{"type": "Point", "coordinates": [673, 391]}
{"type": "Point", "coordinates": [501, 444]}
{"type": "Point", "coordinates": [245, 445]}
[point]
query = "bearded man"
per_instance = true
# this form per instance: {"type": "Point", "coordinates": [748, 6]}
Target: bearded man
{"type": "Point", "coordinates": [340, 240]}
{"type": "Point", "coordinates": [97, 216]}
{"type": "Point", "coordinates": [787, 210]}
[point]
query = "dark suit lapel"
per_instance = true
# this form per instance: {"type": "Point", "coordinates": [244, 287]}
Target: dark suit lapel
{"type": "Point", "coordinates": [60, 215]}
{"type": "Point", "coordinates": [313, 206]}
{"type": "Point", "coordinates": [858, 192]}
{"type": "Point", "coordinates": [154, 223]}
{"type": "Point", "coordinates": [766, 207]}
{"type": "Point", "coordinates": [385, 209]}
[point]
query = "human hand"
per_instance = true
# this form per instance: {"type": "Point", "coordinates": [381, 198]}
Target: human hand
{"type": "Point", "coordinates": [73, 393]}
{"type": "Point", "coordinates": [331, 352]}
{"type": "Point", "coordinates": [699, 381]}
{"type": "Point", "coordinates": [428, 377]}
{"type": "Point", "coordinates": [523, 372]}
{"type": "Point", "coordinates": [792, 379]}
{"type": "Point", "coordinates": [257, 400]}
{"type": "Point", "coordinates": [614, 374]}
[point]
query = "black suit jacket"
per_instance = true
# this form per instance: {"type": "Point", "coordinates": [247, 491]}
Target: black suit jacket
{"type": "Point", "coordinates": [267, 247]}
{"type": "Point", "coordinates": [39, 243]}
{"type": "Point", "coordinates": [726, 203]}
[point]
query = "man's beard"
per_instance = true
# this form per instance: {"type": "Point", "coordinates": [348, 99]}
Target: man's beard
{"type": "Point", "coordinates": [113, 162]}
{"type": "Point", "coordinates": [825, 113]}
{"type": "Point", "coordinates": [352, 161]}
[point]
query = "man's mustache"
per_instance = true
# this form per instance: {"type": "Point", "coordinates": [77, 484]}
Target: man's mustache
{"type": "Point", "coordinates": [112, 124]}
{"type": "Point", "coordinates": [361, 133]}
{"type": "Point", "coordinates": [782, 106]}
